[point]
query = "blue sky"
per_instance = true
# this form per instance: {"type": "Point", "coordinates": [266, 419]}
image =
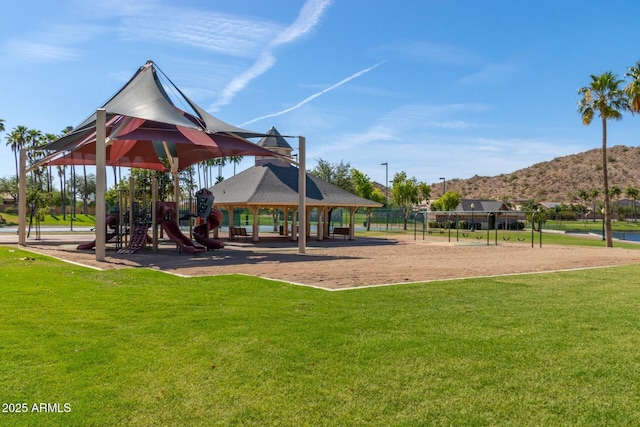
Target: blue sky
{"type": "Point", "coordinates": [435, 88]}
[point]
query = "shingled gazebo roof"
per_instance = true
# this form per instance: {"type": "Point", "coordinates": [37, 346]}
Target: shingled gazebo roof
{"type": "Point", "coordinates": [271, 185]}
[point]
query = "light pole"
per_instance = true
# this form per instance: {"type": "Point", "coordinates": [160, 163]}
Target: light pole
{"type": "Point", "coordinates": [473, 225]}
{"type": "Point", "coordinates": [602, 212]}
{"type": "Point", "coordinates": [386, 187]}
{"type": "Point", "coordinates": [444, 185]}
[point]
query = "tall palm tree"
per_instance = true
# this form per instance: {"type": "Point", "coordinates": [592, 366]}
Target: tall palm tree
{"type": "Point", "coordinates": [236, 161]}
{"type": "Point", "coordinates": [615, 191]}
{"type": "Point", "coordinates": [47, 138]}
{"type": "Point", "coordinates": [593, 196]}
{"type": "Point", "coordinates": [17, 139]}
{"type": "Point", "coordinates": [633, 194]}
{"type": "Point", "coordinates": [1, 125]}
{"type": "Point", "coordinates": [605, 98]}
{"type": "Point", "coordinates": [220, 162]}
{"type": "Point", "coordinates": [34, 140]}
{"type": "Point", "coordinates": [584, 195]}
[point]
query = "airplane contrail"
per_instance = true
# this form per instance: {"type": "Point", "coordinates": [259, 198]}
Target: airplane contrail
{"type": "Point", "coordinates": [315, 95]}
{"type": "Point", "coordinates": [310, 16]}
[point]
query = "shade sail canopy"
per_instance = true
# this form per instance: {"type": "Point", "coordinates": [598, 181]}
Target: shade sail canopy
{"type": "Point", "coordinates": [145, 127]}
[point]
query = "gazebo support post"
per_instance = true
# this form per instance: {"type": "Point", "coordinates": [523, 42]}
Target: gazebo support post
{"type": "Point", "coordinates": [231, 219]}
{"type": "Point", "coordinates": [285, 223]}
{"type": "Point", "coordinates": [101, 183]}
{"type": "Point", "coordinates": [255, 236]}
{"type": "Point", "coordinates": [352, 223]}
{"type": "Point", "coordinates": [322, 214]}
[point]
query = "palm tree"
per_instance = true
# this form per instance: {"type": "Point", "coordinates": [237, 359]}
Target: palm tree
{"type": "Point", "coordinates": [220, 162]}
{"type": "Point", "coordinates": [1, 125]}
{"type": "Point", "coordinates": [34, 140]}
{"type": "Point", "coordinates": [593, 196]}
{"type": "Point", "coordinates": [633, 88]}
{"type": "Point", "coordinates": [633, 194]}
{"type": "Point", "coordinates": [604, 97]}
{"type": "Point", "coordinates": [47, 138]}
{"type": "Point", "coordinates": [236, 161]}
{"type": "Point", "coordinates": [615, 191]}
{"type": "Point", "coordinates": [17, 139]}
{"type": "Point", "coordinates": [584, 195]}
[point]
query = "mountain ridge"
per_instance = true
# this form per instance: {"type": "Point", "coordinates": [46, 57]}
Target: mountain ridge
{"type": "Point", "coordinates": [557, 180]}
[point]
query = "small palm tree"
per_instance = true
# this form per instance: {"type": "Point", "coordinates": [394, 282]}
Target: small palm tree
{"type": "Point", "coordinates": [605, 98]}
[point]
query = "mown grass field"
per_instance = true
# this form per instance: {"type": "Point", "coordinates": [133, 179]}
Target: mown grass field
{"type": "Point", "coordinates": [140, 347]}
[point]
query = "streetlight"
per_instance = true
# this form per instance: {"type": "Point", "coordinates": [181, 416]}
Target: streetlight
{"type": "Point", "coordinates": [386, 186]}
{"type": "Point", "coordinates": [602, 212]}
{"type": "Point", "coordinates": [473, 225]}
{"type": "Point", "coordinates": [444, 185]}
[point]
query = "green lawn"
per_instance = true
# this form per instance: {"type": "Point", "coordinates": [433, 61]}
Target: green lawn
{"type": "Point", "coordinates": [140, 347]}
{"type": "Point", "coordinates": [52, 220]}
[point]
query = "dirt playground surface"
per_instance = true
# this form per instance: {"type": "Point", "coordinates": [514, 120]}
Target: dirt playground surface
{"type": "Point", "coordinates": [340, 264]}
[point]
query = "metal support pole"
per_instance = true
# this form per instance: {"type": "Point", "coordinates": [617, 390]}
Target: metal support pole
{"type": "Point", "coordinates": [101, 183]}
{"type": "Point", "coordinates": [154, 212]}
{"type": "Point", "coordinates": [22, 198]}
{"type": "Point", "coordinates": [302, 195]}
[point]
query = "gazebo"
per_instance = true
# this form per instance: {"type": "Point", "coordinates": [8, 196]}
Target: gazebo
{"type": "Point", "coordinates": [273, 183]}
{"type": "Point", "coordinates": [140, 126]}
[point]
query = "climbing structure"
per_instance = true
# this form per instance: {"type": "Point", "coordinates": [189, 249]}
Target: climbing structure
{"type": "Point", "coordinates": [137, 239]}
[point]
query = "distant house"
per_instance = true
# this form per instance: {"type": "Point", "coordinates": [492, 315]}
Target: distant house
{"type": "Point", "coordinates": [551, 205]}
{"type": "Point", "coordinates": [482, 214]}
{"type": "Point", "coordinates": [7, 202]}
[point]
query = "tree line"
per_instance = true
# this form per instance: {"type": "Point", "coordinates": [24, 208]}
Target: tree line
{"type": "Point", "coordinates": [405, 193]}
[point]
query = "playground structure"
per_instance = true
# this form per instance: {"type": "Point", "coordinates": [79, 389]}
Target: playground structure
{"type": "Point", "coordinates": [111, 221]}
{"type": "Point", "coordinates": [129, 221]}
{"type": "Point", "coordinates": [212, 218]}
{"type": "Point", "coordinates": [201, 232]}
{"type": "Point", "coordinates": [168, 220]}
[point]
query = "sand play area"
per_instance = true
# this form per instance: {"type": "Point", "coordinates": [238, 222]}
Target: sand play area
{"type": "Point", "coordinates": [340, 264]}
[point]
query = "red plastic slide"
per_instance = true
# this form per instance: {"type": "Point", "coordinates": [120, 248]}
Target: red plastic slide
{"type": "Point", "coordinates": [111, 221]}
{"type": "Point", "coordinates": [166, 217]}
{"type": "Point", "coordinates": [201, 232]}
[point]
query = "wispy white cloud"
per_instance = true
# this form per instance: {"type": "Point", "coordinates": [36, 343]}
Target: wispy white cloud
{"type": "Point", "coordinates": [55, 43]}
{"type": "Point", "coordinates": [425, 51]}
{"type": "Point", "coordinates": [309, 17]}
{"type": "Point", "coordinates": [217, 32]}
{"type": "Point", "coordinates": [314, 96]}
{"type": "Point", "coordinates": [412, 124]}
{"type": "Point", "coordinates": [492, 74]}
{"type": "Point", "coordinates": [42, 52]}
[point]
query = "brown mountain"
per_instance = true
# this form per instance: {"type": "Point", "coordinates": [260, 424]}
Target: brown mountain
{"type": "Point", "coordinates": [558, 180]}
